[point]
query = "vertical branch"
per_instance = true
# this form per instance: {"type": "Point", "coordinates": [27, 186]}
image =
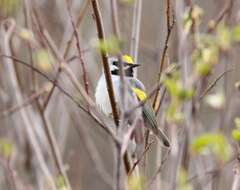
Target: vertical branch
{"type": "Point", "coordinates": [236, 179]}
{"type": "Point", "coordinates": [137, 14]}
{"type": "Point", "coordinates": [85, 80]}
{"type": "Point", "coordinates": [170, 25]}
{"type": "Point", "coordinates": [126, 159]}
{"type": "Point", "coordinates": [107, 73]}
{"type": "Point", "coordinates": [115, 21]}
{"type": "Point", "coordinates": [29, 45]}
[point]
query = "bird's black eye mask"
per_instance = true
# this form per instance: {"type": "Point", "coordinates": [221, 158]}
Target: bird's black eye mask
{"type": "Point", "coordinates": [116, 63]}
{"type": "Point", "coordinates": [128, 72]}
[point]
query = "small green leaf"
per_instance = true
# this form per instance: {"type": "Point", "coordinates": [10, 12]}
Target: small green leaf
{"type": "Point", "coordinates": [111, 45]}
{"type": "Point", "coordinates": [185, 94]}
{"type": "Point", "coordinates": [61, 182]}
{"type": "Point", "coordinates": [212, 143]}
{"type": "Point", "coordinates": [171, 86]}
{"type": "Point", "coordinates": [202, 69]}
{"type": "Point", "coordinates": [237, 122]}
{"type": "Point", "coordinates": [182, 180]}
{"type": "Point", "coordinates": [224, 37]}
{"type": "Point", "coordinates": [135, 183]}
{"type": "Point", "coordinates": [128, 2]}
{"type": "Point", "coordinates": [6, 148]}
{"type": "Point", "coordinates": [236, 33]}
{"type": "Point", "coordinates": [43, 59]}
{"type": "Point", "coordinates": [236, 134]}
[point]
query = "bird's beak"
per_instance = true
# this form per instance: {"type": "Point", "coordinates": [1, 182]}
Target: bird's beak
{"type": "Point", "coordinates": [134, 65]}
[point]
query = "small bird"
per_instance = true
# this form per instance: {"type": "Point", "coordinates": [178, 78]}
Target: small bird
{"type": "Point", "coordinates": [136, 93]}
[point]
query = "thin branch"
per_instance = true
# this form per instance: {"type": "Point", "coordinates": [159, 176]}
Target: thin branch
{"type": "Point", "coordinates": [11, 177]}
{"type": "Point", "coordinates": [226, 10]}
{"type": "Point", "coordinates": [170, 26]}
{"type": "Point", "coordinates": [136, 27]}
{"type": "Point", "coordinates": [161, 100]}
{"type": "Point", "coordinates": [25, 103]}
{"type": "Point", "coordinates": [119, 147]}
{"type": "Point", "coordinates": [147, 148]}
{"type": "Point", "coordinates": [54, 147]}
{"type": "Point", "coordinates": [27, 18]}
{"type": "Point", "coordinates": [205, 174]}
{"type": "Point", "coordinates": [82, 12]}
{"type": "Point", "coordinates": [214, 83]}
{"type": "Point", "coordinates": [107, 73]}
{"type": "Point", "coordinates": [236, 180]}
{"type": "Point", "coordinates": [153, 178]}
{"type": "Point", "coordinates": [115, 21]}
{"type": "Point", "coordinates": [78, 49]}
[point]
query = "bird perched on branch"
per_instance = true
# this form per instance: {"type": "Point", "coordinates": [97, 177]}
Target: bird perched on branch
{"type": "Point", "coordinates": [135, 92]}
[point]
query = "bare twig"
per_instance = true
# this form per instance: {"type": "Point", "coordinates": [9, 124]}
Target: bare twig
{"type": "Point", "coordinates": [115, 21]}
{"type": "Point", "coordinates": [26, 102]}
{"type": "Point", "coordinates": [54, 147]}
{"type": "Point", "coordinates": [10, 173]}
{"type": "Point", "coordinates": [226, 10]}
{"type": "Point", "coordinates": [161, 99]}
{"type": "Point", "coordinates": [79, 49]}
{"type": "Point", "coordinates": [119, 147]}
{"type": "Point", "coordinates": [214, 83]}
{"type": "Point", "coordinates": [107, 73]}
{"type": "Point", "coordinates": [236, 180]}
{"type": "Point", "coordinates": [147, 148]}
{"type": "Point", "coordinates": [82, 12]}
{"type": "Point", "coordinates": [205, 174]}
{"type": "Point", "coordinates": [27, 18]}
{"type": "Point", "coordinates": [153, 178]}
{"type": "Point", "coordinates": [170, 26]}
{"type": "Point", "coordinates": [136, 27]}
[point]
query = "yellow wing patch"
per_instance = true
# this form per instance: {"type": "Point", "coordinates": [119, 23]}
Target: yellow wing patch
{"type": "Point", "coordinates": [127, 59]}
{"type": "Point", "coordinates": [139, 93]}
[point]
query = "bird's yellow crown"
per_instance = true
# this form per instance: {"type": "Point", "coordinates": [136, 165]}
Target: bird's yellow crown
{"type": "Point", "coordinates": [127, 59]}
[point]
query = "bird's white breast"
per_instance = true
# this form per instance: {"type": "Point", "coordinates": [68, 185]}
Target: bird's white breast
{"type": "Point", "coordinates": [101, 93]}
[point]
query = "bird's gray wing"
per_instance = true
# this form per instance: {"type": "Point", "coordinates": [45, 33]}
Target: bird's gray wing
{"type": "Point", "coordinates": [151, 123]}
{"type": "Point", "coordinates": [149, 116]}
